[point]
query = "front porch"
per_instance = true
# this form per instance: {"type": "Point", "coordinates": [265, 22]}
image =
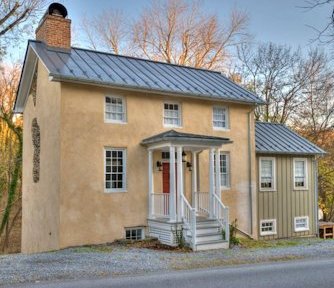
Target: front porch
{"type": "Point", "coordinates": [200, 217]}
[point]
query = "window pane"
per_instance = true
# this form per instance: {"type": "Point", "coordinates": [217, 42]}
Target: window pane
{"type": "Point", "coordinates": [172, 115]}
{"type": "Point", "coordinates": [114, 109]}
{"type": "Point", "coordinates": [219, 117]}
{"type": "Point", "coordinates": [115, 172]}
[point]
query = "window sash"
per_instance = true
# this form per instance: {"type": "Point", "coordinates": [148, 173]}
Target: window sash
{"type": "Point", "coordinates": [300, 173]}
{"type": "Point", "coordinates": [268, 227]}
{"type": "Point", "coordinates": [115, 109]}
{"type": "Point", "coordinates": [220, 117]}
{"type": "Point", "coordinates": [115, 170]}
{"type": "Point", "coordinates": [267, 171]}
{"type": "Point", "coordinates": [301, 223]}
{"type": "Point", "coordinates": [172, 114]}
{"type": "Point", "coordinates": [224, 169]}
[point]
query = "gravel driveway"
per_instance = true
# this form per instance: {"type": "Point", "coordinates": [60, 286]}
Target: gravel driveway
{"type": "Point", "coordinates": [117, 260]}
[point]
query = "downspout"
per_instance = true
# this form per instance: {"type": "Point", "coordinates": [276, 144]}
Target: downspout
{"type": "Point", "coordinates": [315, 167]}
{"type": "Point", "coordinates": [250, 188]}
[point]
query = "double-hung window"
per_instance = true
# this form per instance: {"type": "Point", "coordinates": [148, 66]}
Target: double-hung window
{"type": "Point", "coordinates": [115, 170]}
{"type": "Point", "coordinates": [300, 173]}
{"type": "Point", "coordinates": [267, 174]}
{"type": "Point", "coordinates": [115, 111]}
{"type": "Point", "coordinates": [224, 169]}
{"type": "Point", "coordinates": [172, 115]}
{"type": "Point", "coordinates": [220, 118]}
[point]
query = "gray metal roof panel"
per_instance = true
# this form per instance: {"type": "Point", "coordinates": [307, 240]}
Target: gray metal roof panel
{"type": "Point", "coordinates": [175, 136]}
{"type": "Point", "coordinates": [96, 67]}
{"type": "Point", "coordinates": [273, 138]}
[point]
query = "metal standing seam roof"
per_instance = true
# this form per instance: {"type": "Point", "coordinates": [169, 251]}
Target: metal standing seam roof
{"type": "Point", "coordinates": [275, 138]}
{"type": "Point", "coordinates": [180, 137]}
{"type": "Point", "coordinates": [81, 65]}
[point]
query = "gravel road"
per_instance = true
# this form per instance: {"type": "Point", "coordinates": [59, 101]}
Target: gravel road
{"type": "Point", "coordinates": [117, 260]}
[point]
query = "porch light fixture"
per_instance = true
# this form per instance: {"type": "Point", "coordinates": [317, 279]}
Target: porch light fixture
{"type": "Point", "coordinates": [184, 156]}
{"type": "Point", "coordinates": [159, 165]}
{"type": "Point", "coordinates": [190, 166]}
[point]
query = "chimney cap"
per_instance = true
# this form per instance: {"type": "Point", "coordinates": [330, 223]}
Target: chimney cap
{"type": "Point", "coordinates": [57, 9]}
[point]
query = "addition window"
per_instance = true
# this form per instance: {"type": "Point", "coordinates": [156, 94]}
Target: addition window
{"type": "Point", "coordinates": [300, 173]}
{"type": "Point", "coordinates": [115, 170]}
{"type": "Point", "coordinates": [172, 115]}
{"type": "Point", "coordinates": [268, 227]}
{"type": "Point", "coordinates": [220, 117]}
{"type": "Point", "coordinates": [301, 224]}
{"type": "Point", "coordinates": [267, 174]}
{"type": "Point", "coordinates": [115, 111]}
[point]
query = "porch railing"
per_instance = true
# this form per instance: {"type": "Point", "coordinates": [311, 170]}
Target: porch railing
{"type": "Point", "coordinates": [221, 213]}
{"type": "Point", "coordinates": [202, 202]}
{"type": "Point", "coordinates": [160, 203]}
{"type": "Point", "coordinates": [189, 218]}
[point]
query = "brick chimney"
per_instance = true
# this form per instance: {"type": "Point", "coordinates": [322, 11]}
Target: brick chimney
{"type": "Point", "coordinates": [54, 28]}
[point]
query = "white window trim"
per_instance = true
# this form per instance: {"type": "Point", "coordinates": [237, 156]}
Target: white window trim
{"type": "Point", "coordinates": [307, 228]}
{"type": "Point", "coordinates": [224, 188]}
{"type": "Point", "coordinates": [111, 121]}
{"type": "Point", "coordinates": [163, 114]}
{"type": "Point", "coordinates": [142, 228]}
{"type": "Point", "coordinates": [227, 128]}
{"type": "Point", "coordinates": [306, 174]}
{"type": "Point", "coordinates": [115, 190]}
{"type": "Point", "coordinates": [267, 233]}
{"type": "Point", "coordinates": [274, 174]}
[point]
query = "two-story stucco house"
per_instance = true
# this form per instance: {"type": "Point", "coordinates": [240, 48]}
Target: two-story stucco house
{"type": "Point", "coordinates": [120, 147]}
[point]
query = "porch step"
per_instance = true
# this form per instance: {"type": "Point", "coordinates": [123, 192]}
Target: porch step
{"type": "Point", "coordinates": [213, 244]}
{"type": "Point", "coordinates": [204, 238]}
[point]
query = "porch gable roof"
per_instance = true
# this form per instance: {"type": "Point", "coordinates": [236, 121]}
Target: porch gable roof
{"type": "Point", "coordinates": [176, 137]}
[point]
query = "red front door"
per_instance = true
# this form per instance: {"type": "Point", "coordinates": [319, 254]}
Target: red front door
{"type": "Point", "coordinates": [165, 177]}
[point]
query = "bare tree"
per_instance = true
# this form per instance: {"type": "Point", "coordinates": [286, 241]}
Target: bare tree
{"type": "Point", "coordinates": [13, 15]}
{"type": "Point", "coordinates": [278, 75]}
{"type": "Point", "coordinates": [173, 31]}
{"type": "Point", "coordinates": [325, 34]}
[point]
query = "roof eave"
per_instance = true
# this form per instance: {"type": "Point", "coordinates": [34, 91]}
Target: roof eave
{"type": "Point", "coordinates": [291, 153]}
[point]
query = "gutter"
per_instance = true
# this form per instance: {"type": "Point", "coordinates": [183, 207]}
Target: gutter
{"type": "Point", "coordinates": [250, 188]}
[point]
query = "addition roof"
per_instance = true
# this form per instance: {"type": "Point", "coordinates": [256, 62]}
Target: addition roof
{"type": "Point", "coordinates": [273, 138]}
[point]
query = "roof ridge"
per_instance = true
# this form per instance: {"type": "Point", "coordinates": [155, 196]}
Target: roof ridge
{"type": "Point", "coordinates": [128, 56]}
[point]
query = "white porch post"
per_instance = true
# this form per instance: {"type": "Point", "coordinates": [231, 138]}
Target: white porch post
{"type": "Point", "coordinates": [179, 184]}
{"type": "Point", "coordinates": [217, 173]}
{"type": "Point", "coordinates": [150, 184]}
{"type": "Point", "coordinates": [212, 182]}
{"type": "Point", "coordinates": [172, 188]}
{"type": "Point", "coordinates": [194, 200]}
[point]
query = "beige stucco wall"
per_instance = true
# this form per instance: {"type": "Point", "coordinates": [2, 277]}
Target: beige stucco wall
{"type": "Point", "coordinates": [285, 202]}
{"type": "Point", "coordinates": [87, 214]}
{"type": "Point", "coordinates": [40, 204]}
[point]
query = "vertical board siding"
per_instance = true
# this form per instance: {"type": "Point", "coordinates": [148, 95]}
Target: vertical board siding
{"type": "Point", "coordinates": [286, 203]}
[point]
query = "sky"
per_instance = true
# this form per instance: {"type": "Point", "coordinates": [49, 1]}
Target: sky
{"type": "Point", "coordinates": [278, 21]}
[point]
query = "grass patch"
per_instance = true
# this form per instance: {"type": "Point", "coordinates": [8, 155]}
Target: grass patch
{"type": "Point", "coordinates": [258, 244]}
{"type": "Point", "coordinates": [93, 249]}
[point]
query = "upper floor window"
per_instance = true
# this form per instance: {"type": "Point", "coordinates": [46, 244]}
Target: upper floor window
{"type": "Point", "coordinates": [267, 174]}
{"type": "Point", "coordinates": [115, 111]}
{"type": "Point", "coordinates": [220, 117]}
{"type": "Point", "coordinates": [172, 115]}
{"type": "Point", "coordinates": [115, 170]}
{"type": "Point", "coordinates": [300, 173]}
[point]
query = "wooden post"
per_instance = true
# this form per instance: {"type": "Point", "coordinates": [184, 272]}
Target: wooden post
{"type": "Point", "coordinates": [194, 198]}
{"type": "Point", "coordinates": [212, 182]}
{"type": "Point", "coordinates": [150, 184]}
{"type": "Point", "coordinates": [172, 188]}
{"type": "Point", "coordinates": [180, 208]}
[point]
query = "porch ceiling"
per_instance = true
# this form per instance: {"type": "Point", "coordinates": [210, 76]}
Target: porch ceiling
{"type": "Point", "coordinates": [185, 139]}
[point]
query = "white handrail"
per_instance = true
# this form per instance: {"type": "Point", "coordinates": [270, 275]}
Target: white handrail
{"type": "Point", "coordinates": [221, 213]}
{"type": "Point", "coordinates": [202, 202]}
{"type": "Point", "coordinates": [189, 218]}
